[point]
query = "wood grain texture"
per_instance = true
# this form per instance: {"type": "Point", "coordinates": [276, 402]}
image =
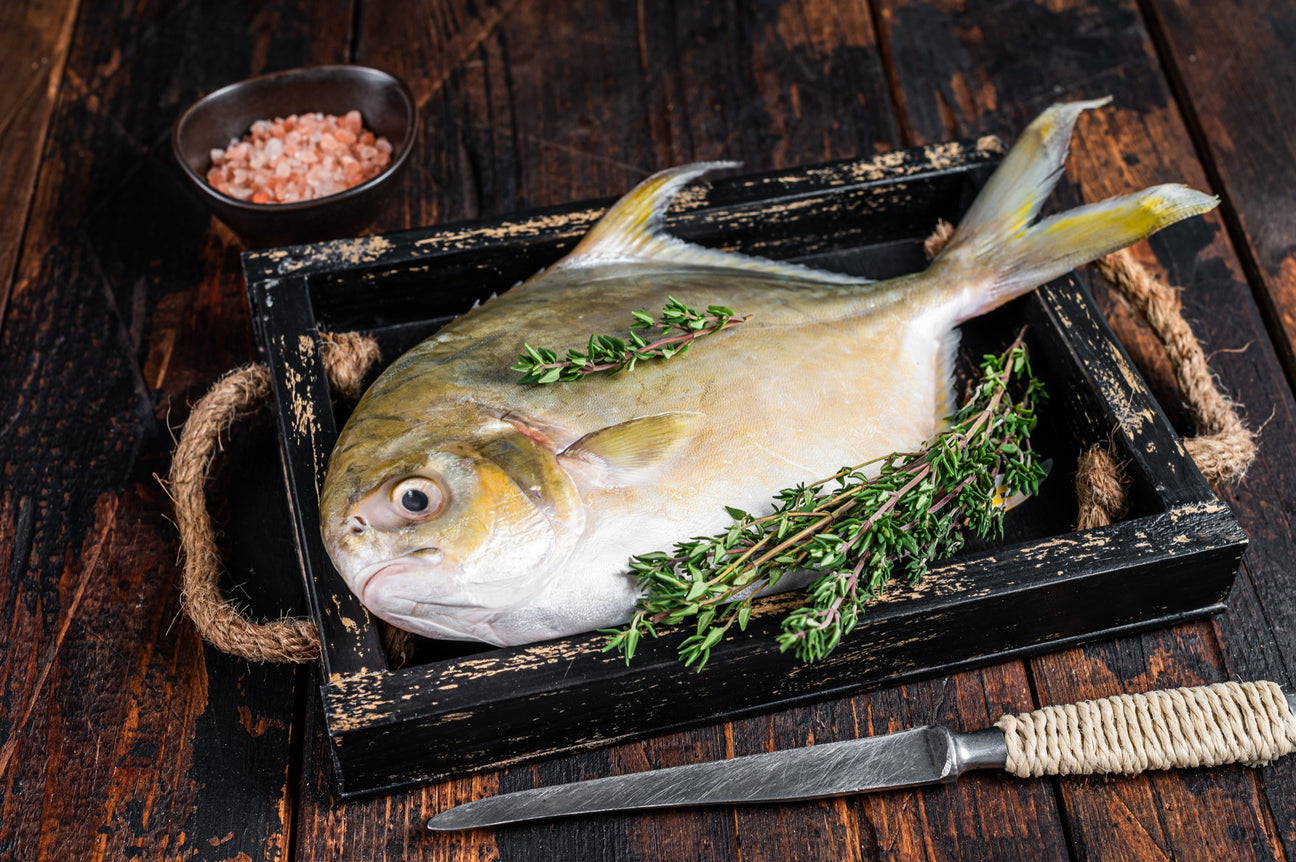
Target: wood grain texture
{"type": "Point", "coordinates": [1188, 814]}
{"type": "Point", "coordinates": [34, 37]}
{"type": "Point", "coordinates": [993, 73]}
{"type": "Point", "coordinates": [986, 817]}
{"type": "Point", "coordinates": [120, 735]}
{"type": "Point", "coordinates": [1235, 73]}
{"type": "Point", "coordinates": [1234, 70]}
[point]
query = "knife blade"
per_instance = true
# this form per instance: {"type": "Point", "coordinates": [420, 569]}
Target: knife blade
{"type": "Point", "coordinates": [923, 755]}
{"type": "Point", "coordinates": [909, 758]}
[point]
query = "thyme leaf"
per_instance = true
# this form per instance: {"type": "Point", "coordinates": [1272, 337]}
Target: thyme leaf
{"type": "Point", "coordinates": [669, 335]}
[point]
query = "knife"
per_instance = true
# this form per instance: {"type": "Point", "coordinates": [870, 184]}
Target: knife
{"type": "Point", "coordinates": [1251, 722]}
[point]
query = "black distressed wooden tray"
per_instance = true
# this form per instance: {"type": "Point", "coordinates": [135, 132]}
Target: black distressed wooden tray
{"type": "Point", "coordinates": [459, 708]}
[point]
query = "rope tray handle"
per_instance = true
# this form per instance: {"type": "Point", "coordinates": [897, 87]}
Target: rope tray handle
{"type": "Point", "coordinates": [242, 391]}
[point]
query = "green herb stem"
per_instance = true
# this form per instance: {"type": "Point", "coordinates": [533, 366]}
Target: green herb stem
{"type": "Point", "coordinates": [854, 531]}
{"type": "Point", "coordinates": [677, 328]}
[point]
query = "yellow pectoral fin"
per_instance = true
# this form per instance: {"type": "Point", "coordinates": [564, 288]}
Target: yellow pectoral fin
{"type": "Point", "coordinates": [638, 444]}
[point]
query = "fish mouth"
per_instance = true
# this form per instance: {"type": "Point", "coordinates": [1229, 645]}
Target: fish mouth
{"type": "Point", "coordinates": [433, 621]}
{"type": "Point", "coordinates": [423, 560]}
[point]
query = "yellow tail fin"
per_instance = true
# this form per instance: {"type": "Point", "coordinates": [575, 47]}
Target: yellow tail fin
{"type": "Point", "coordinates": [998, 249]}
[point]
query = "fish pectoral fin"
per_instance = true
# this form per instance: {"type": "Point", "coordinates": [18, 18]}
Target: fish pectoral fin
{"type": "Point", "coordinates": [631, 232]}
{"type": "Point", "coordinates": [635, 445]}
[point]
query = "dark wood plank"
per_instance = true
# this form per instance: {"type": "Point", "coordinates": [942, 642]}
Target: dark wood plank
{"type": "Point", "coordinates": [1236, 76]}
{"type": "Point", "coordinates": [34, 37]}
{"type": "Point", "coordinates": [983, 816]}
{"type": "Point", "coordinates": [1234, 69]}
{"type": "Point", "coordinates": [170, 789]}
{"type": "Point", "coordinates": [954, 76]}
{"type": "Point", "coordinates": [1195, 814]}
{"type": "Point", "coordinates": [387, 829]}
{"type": "Point", "coordinates": [121, 736]}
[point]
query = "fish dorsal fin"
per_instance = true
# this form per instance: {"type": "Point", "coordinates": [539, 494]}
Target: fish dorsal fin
{"type": "Point", "coordinates": [636, 444]}
{"type": "Point", "coordinates": [631, 229]}
{"type": "Point", "coordinates": [631, 232]}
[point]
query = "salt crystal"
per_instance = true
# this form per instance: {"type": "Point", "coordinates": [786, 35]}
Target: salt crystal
{"type": "Point", "coordinates": [300, 157]}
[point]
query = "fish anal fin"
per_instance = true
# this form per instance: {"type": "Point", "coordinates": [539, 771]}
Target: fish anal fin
{"type": "Point", "coordinates": [946, 357]}
{"type": "Point", "coordinates": [637, 444]}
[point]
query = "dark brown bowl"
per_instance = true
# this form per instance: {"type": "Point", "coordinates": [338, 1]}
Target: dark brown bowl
{"type": "Point", "coordinates": [384, 102]}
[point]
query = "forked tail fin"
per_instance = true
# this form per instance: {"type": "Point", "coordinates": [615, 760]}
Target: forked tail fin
{"type": "Point", "coordinates": [999, 254]}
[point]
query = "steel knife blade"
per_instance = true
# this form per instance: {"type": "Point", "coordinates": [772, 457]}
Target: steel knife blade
{"type": "Point", "coordinates": [923, 755]}
{"type": "Point", "coordinates": [909, 758]}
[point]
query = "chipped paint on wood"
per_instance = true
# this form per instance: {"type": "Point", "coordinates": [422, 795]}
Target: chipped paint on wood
{"type": "Point", "coordinates": [305, 423]}
{"type": "Point", "coordinates": [567, 223]}
{"type": "Point", "coordinates": [347, 622]}
{"type": "Point", "coordinates": [362, 250]}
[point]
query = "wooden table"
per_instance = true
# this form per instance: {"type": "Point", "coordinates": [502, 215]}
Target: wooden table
{"type": "Point", "coordinates": [121, 301]}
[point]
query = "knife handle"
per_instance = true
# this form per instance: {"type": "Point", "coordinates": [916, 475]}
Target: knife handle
{"type": "Point", "coordinates": [1230, 722]}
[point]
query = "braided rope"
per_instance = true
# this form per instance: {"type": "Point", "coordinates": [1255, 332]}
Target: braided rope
{"type": "Point", "coordinates": [1100, 489]}
{"type": "Point", "coordinates": [1229, 722]}
{"type": "Point", "coordinates": [1224, 448]}
{"type": "Point", "coordinates": [240, 392]}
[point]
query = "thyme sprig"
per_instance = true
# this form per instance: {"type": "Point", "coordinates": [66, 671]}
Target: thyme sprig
{"type": "Point", "coordinates": [676, 328]}
{"type": "Point", "coordinates": [855, 530]}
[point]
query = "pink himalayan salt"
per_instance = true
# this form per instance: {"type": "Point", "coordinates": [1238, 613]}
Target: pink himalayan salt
{"type": "Point", "coordinates": [299, 158]}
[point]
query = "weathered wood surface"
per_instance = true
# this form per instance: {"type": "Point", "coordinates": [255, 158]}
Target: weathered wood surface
{"type": "Point", "coordinates": [122, 737]}
{"type": "Point", "coordinates": [34, 38]}
{"type": "Point", "coordinates": [1086, 49]}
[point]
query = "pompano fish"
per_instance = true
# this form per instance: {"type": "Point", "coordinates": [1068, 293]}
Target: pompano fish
{"type": "Point", "coordinates": [461, 504]}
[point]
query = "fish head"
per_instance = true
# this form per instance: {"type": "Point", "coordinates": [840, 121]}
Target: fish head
{"type": "Point", "coordinates": [440, 526]}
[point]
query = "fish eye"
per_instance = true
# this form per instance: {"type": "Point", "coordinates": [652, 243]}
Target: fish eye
{"type": "Point", "coordinates": [417, 498]}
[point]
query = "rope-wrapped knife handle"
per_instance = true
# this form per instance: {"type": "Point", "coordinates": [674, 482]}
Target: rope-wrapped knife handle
{"type": "Point", "coordinates": [1230, 722]}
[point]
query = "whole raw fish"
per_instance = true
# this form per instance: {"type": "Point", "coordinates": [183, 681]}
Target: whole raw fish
{"type": "Point", "coordinates": [461, 504]}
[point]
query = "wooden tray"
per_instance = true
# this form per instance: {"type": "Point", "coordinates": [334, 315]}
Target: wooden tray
{"type": "Point", "coordinates": [460, 708]}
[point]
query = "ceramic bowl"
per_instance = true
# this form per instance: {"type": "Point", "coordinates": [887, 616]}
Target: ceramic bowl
{"type": "Point", "coordinates": [385, 104]}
